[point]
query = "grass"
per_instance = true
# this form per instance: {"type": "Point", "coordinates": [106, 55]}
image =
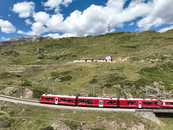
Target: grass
{"type": "Point", "coordinates": [34, 118]}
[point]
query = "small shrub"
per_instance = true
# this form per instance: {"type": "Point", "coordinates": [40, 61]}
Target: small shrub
{"type": "Point", "coordinates": [93, 81]}
{"type": "Point", "coordinates": [26, 83]}
{"type": "Point", "coordinates": [47, 128]}
{"type": "Point", "coordinates": [38, 91]}
{"type": "Point", "coordinates": [62, 76]}
{"type": "Point", "coordinates": [72, 124]}
{"type": "Point", "coordinates": [6, 75]}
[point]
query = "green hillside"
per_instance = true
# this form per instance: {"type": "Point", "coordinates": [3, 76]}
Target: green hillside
{"type": "Point", "coordinates": [142, 67]}
{"type": "Point", "coordinates": [46, 66]}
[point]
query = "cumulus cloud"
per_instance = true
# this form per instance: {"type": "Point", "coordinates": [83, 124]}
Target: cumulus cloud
{"type": "Point", "coordinates": [6, 26]}
{"type": "Point", "coordinates": [24, 9]}
{"type": "Point", "coordinates": [55, 4]}
{"type": "Point", "coordinates": [37, 28]}
{"type": "Point", "coordinates": [160, 13]}
{"type": "Point", "coordinates": [96, 19]}
{"type": "Point", "coordinates": [67, 2]}
{"type": "Point", "coordinates": [166, 29]}
{"type": "Point", "coordinates": [57, 35]}
{"type": "Point", "coordinates": [41, 17]}
{"type": "Point", "coordinates": [99, 19]}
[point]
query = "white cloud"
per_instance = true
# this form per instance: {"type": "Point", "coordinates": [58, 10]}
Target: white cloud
{"type": "Point", "coordinates": [37, 28]}
{"type": "Point", "coordinates": [67, 2]}
{"type": "Point", "coordinates": [52, 3]}
{"type": "Point", "coordinates": [41, 17]}
{"type": "Point", "coordinates": [24, 9]}
{"type": "Point", "coordinates": [6, 26]}
{"type": "Point", "coordinates": [96, 19]}
{"type": "Point", "coordinates": [55, 23]}
{"type": "Point", "coordinates": [57, 35]}
{"type": "Point", "coordinates": [92, 21]}
{"type": "Point", "coordinates": [161, 13]}
{"type": "Point", "coordinates": [28, 21]}
{"type": "Point", "coordinates": [20, 32]}
{"type": "Point", "coordinates": [55, 4]}
{"type": "Point", "coordinates": [99, 19]}
{"type": "Point", "coordinates": [165, 29]}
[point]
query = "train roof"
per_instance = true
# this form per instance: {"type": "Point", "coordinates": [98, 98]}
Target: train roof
{"type": "Point", "coordinates": [115, 98]}
{"type": "Point", "coordinates": [99, 98]}
{"type": "Point", "coordinates": [168, 100]}
{"type": "Point", "coordinates": [59, 95]}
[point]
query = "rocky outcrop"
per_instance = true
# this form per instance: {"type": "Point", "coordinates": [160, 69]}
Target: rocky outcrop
{"type": "Point", "coordinates": [149, 116]}
{"type": "Point", "coordinates": [60, 125]}
{"type": "Point", "coordinates": [9, 91]}
{"type": "Point", "coordinates": [27, 93]}
{"type": "Point", "coordinates": [17, 92]}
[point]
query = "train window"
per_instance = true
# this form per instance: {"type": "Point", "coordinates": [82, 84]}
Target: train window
{"type": "Point", "coordinates": [112, 102]}
{"type": "Point", "coordinates": [66, 100]}
{"type": "Point", "coordinates": [148, 103]}
{"type": "Point", "coordinates": [132, 102]}
{"type": "Point", "coordinates": [49, 98]}
{"type": "Point", "coordinates": [85, 101]}
{"type": "Point", "coordinates": [169, 103]}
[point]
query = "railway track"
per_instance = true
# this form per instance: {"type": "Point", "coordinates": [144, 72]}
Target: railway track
{"type": "Point", "coordinates": [62, 107]}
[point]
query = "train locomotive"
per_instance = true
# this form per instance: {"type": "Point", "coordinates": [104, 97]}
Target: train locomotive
{"type": "Point", "coordinates": [106, 102]}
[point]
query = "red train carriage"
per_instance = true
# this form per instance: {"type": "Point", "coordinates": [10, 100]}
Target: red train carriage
{"type": "Point", "coordinates": [139, 103]}
{"type": "Point", "coordinates": [130, 103]}
{"type": "Point", "coordinates": [167, 104]}
{"type": "Point", "coordinates": [58, 99]}
{"type": "Point", "coordinates": [110, 102]}
{"type": "Point", "coordinates": [97, 102]}
{"type": "Point", "coordinates": [151, 103]}
{"type": "Point", "coordinates": [49, 99]}
{"type": "Point", "coordinates": [67, 100]}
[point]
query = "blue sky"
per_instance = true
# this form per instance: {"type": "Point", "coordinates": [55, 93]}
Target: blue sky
{"type": "Point", "coordinates": [65, 18]}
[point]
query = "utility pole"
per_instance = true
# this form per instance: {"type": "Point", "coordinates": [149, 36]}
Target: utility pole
{"type": "Point", "coordinates": [108, 28]}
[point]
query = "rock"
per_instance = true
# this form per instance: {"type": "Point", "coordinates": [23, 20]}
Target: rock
{"type": "Point", "coordinates": [139, 126]}
{"type": "Point", "coordinates": [149, 116]}
{"type": "Point", "coordinates": [8, 91]}
{"type": "Point", "coordinates": [27, 93]}
{"type": "Point", "coordinates": [5, 120]}
{"type": "Point", "coordinates": [4, 123]}
{"type": "Point", "coordinates": [60, 125]}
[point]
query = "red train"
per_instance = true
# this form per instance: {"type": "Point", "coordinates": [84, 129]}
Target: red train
{"type": "Point", "coordinates": [137, 103]}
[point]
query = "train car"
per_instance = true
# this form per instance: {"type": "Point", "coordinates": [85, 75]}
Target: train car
{"type": "Point", "coordinates": [167, 104]}
{"type": "Point", "coordinates": [58, 99]}
{"type": "Point", "coordinates": [139, 103]}
{"type": "Point", "coordinates": [97, 102]}
{"type": "Point", "coordinates": [48, 99]}
{"type": "Point", "coordinates": [110, 102]}
{"type": "Point", "coordinates": [130, 103]}
{"type": "Point", "coordinates": [67, 100]}
{"type": "Point", "coordinates": [151, 103]}
{"type": "Point", "coordinates": [90, 102]}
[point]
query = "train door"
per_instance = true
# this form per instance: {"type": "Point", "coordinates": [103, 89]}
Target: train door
{"type": "Point", "coordinates": [100, 103]}
{"type": "Point", "coordinates": [56, 100]}
{"type": "Point", "coordinates": [139, 104]}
